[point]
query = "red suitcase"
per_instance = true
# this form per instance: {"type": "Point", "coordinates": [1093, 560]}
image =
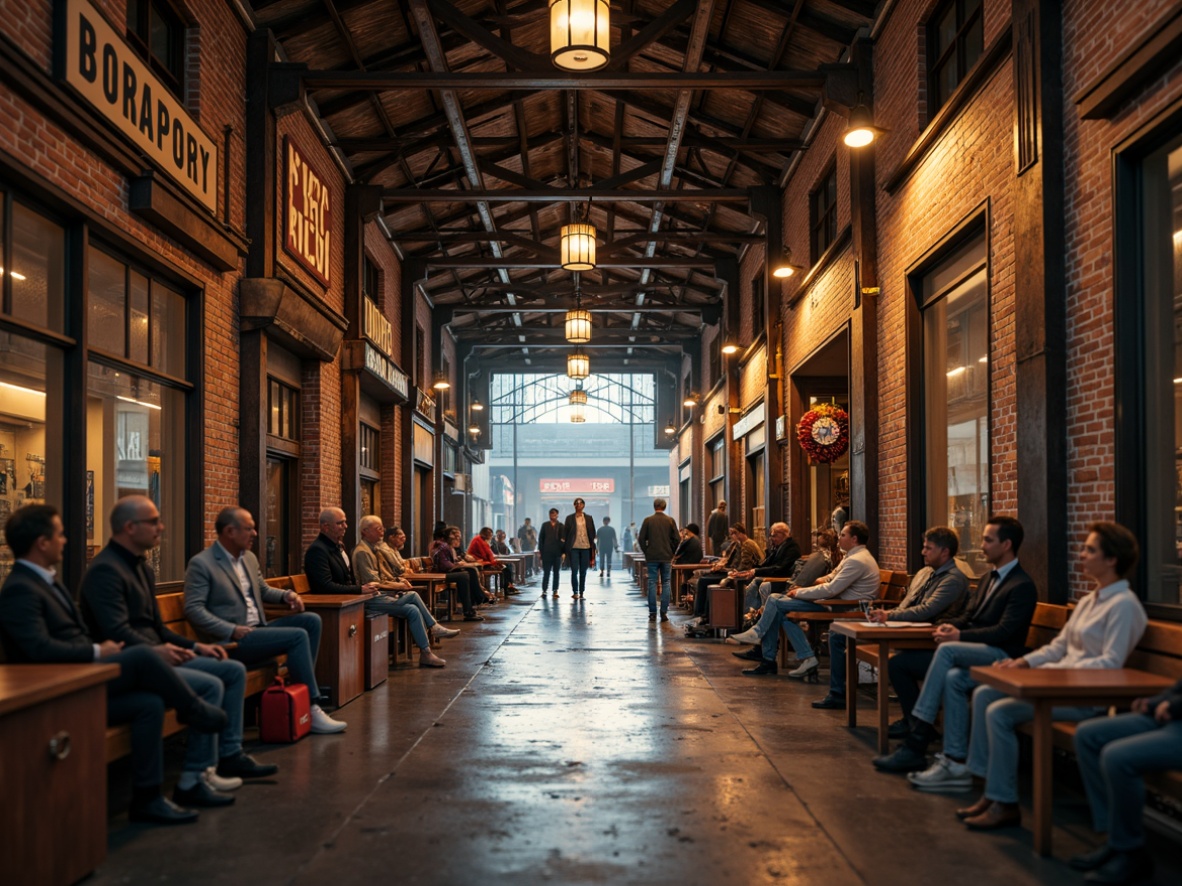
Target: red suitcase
{"type": "Point", "coordinates": [286, 712]}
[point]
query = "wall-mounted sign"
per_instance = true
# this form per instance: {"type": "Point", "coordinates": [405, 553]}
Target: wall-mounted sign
{"type": "Point", "coordinates": [376, 327]}
{"type": "Point", "coordinates": [578, 485]}
{"type": "Point", "coordinates": [752, 419]}
{"type": "Point", "coordinates": [380, 365]}
{"type": "Point", "coordinates": [96, 60]}
{"type": "Point", "coordinates": [658, 490]}
{"type": "Point", "coordinates": [307, 214]}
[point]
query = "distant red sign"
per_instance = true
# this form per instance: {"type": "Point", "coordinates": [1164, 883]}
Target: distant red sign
{"type": "Point", "coordinates": [579, 485]}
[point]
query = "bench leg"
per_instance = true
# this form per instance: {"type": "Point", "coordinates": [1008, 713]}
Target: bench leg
{"type": "Point", "coordinates": [1043, 767]}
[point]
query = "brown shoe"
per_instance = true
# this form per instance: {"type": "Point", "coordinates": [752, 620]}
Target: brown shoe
{"type": "Point", "coordinates": [998, 815]}
{"type": "Point", "coordinates": [428, 659]}
{"type": "Point", "coordinates": [976, 809]}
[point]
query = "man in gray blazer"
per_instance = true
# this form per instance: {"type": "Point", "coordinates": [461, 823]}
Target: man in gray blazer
{"type": "Point", "coordinates": [224, 596]}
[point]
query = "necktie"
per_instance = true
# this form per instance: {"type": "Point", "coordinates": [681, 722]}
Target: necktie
{"type": "Point", "coordinates": [994, 577]}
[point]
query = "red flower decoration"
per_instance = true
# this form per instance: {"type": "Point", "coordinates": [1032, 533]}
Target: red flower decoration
{"type": "Point", "coordinates": [824, 433]}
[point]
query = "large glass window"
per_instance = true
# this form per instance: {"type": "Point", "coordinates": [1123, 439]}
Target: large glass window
{"type": "Point", "coordinates": [276, 547]}
{"type": "Point", "coordinates": [31, 429]}
{"type": "Point", "coordinates": [956, 395]}
{"type": "Point", "coordinates": [371, 465]}
{"type": "Point", "coordinates": [1162, 353]}
{"type": "Point", "coordinates": [956, 39]}
{"type": "Point", "coordinates": [716, 454]}
{"type": "Point", "coordinates": [135, 317]}
{"type": "Point", "coordinates": [34, 271]}
{"type": "Point", "coordinates": [158, 34]}
{"type": "Point", "coordinates": [283, 410]}
{"type": "Point", "coordinates": [823, 214]}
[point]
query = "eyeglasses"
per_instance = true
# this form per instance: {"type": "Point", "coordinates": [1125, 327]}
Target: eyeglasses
{"type": "Point", "coordinates": [151, 521]}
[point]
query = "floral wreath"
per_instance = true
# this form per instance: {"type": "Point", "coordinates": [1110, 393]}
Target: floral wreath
{"type": "Point", "coordinates": [824, 433]}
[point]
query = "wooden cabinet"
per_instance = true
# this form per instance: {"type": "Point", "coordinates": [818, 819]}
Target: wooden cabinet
{"type": "Point", "coordinates": [340, 666]}
{"type": "Point", "coordinates": [377, 650]}
{"type": "Point", "coordinates": [53, 771]}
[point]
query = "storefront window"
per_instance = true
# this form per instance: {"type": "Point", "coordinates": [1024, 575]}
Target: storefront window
{"type": "Point", "coordinates": [34, 282]}
{"type": "Point", "coordinates": [956, 396]}
{"type": "Point", "coordinates": [276, 551]}
{"type": "Point", "coordinates": [135, 317]}
{"type": "Point", "coordinates": [31, 430]}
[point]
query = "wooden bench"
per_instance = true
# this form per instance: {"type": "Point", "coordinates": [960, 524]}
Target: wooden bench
{"type": "Point", "coordinates": [892, 588]}
{"type": "Point", "coordinates": [172, 612]}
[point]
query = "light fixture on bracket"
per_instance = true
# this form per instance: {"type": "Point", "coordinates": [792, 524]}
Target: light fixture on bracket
{"type": "Point", "coordinates": [441, 383]}
{"type": "Point", "coordinates": [580, 34]}
{"type": "Point", "coordinates": [578, 364]}
{"type": "Point", "coordinates": [861, 130]}
{"type": "Point", "coordinates": [729, 347]}
{"type": "Point", "coordinates": [670, 428]}
{"type": "Point", "coordinates": [578, 322]}
{"type": "Point", "coordinates": [477, 406]}
{"type": "Point", "coordinates": [690, 401]}
{"type": "Point", "coordinates": [784, 268]}
{"type": "Point", "coordinates": [474, 429]}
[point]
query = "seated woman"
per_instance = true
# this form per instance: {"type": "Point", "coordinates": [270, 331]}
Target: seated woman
{"type": "Point", "coordinates": [1100, 633]}
{"type": "Point", "coordinates": [443, 558]}
{"type": "Point", "coordinates": [1114, 754]}
{"type": "Point", "coordinates": [475, 567]}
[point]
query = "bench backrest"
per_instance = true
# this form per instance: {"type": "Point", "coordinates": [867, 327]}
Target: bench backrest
{"type": "Point", "coordinates": [892, 586]}
{"type": "Point", "coordinates": [172, 613]}
{"type": "Point", "coordinates": [1159, 652]}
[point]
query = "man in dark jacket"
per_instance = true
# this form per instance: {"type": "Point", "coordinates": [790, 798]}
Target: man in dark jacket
{"type": "Point", "coordinates": [690, 550]}
{"type": "Point", "coordinates": [119, 603]}
{"type": "Point", "coordinates": [39, 624]}
{"type": "Point", "coordinates": [993, 628]}
{"type": "Point", "coordinates": [658, 539]}
{"type": "Point", "coordinates": [551, 543]}
{"type": "Point", "coordinates": [327, 565]}
{"type": "Point", "coordinates": [781, 557]}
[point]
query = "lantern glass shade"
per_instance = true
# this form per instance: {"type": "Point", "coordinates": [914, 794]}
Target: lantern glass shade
{"type": "Point", "coordinates": [578, 326]}
{"type": "Point", "coordinates": [577, 415]}
{"type": "Point", "coordinates": [577, 247]}
{"type": "Point", "coordinates": [474, 430]}
{"type": "Point", "coordinates": [578, 365]}
{"type": "Point", "coordinates": [578, 397]}
{"type": "Point", "coordinates": [580, 34]}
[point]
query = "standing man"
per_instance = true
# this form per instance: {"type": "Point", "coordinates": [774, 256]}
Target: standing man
{"type": "Point", "coordinates": [119, 603]}
{"type": "Point", "coordinates": [629, 535]}
{"type": "Point", "coordinates": [658, 539]}
{"type": "Point", "coordinates": [717, 528]}
{"type": "Point", "coordinates": [394, 595]}
{"type": "Point", "coordinates": [39, 624]}
{"type": "Point", "coordinates": [579, 547]}
{"type": "Point", "coordinates": [605, 541]}
{"type": "Point", "coordinates": [527, 543]}
{"type": "Point", "coordinates": [552, 539]}
{"type": "Point", "coordinates": [224, 596]}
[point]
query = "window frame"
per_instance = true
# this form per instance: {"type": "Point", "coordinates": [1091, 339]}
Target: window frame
{"type": "Point", "coordinates": [139, 36]}
{"type": "Point", "coordinates": [954, 53]}
{"type": "Point", "coordinates": [823, 213]}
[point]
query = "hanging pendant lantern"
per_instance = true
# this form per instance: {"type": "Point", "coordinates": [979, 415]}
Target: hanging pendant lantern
{"type": "Point", "coordinates": [578, 326]}
{"type": "Point", "coordinates": [580, 34]}
{"type": "Point", "coordinates": [577, 247]}
{"type": "Point", "coordinates": [578, 404]}
{"type": "Point", "coordinates": [578, 365]}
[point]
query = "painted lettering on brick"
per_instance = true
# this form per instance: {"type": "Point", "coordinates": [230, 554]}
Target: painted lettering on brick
{"type": "Point", "coordinates": [307, 215]}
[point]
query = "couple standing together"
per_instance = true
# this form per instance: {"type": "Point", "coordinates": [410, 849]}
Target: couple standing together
{"type": "Point", "coordinates": [574, 539]}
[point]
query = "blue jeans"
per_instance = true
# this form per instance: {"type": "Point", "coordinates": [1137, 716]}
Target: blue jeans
{"type": "Point", "coordinates": [756, 594]}
{"type": "Point", "coordinates": [296, 636]}
{"type": "Point", "coordinates": [580, 562]}
{"type": "Point", "coordinates": [222, 684]}
{"type": "Point", "coordinates": [665, 570]}
{"type": "Point", "coordinates": [605, 560]}
{"type": "Point", "coordinates": [993, 750]}
{"type": "Point", "coordinates": [837, 669]}
{"type": "Point", "coordinates": [411, 607]}
{"type": "Point", "coordinates": [551, 565]}
{"type": "Point", "coordinates": [1114, 753]}
{"type": "Point", "coordinates": [773, 618]}
{"type": "Point", "coordinates": [948, 681]}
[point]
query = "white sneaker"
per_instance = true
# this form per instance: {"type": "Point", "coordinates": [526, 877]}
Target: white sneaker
{"type": "Point", "coordinates": [323, 724]}
{"type": "Point", "coordinates": [806, 666]}
{"type": "Point", "coordinates": [748, 638]}
{"type": "Point", "coordinates": [943, 775]}
{"type": "Point", "coordinates": [438, 630]}
{"type": "Point", "coordinates": [220, 783]}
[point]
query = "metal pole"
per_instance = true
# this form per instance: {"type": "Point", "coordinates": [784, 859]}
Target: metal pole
{"type": "Point", "coordinates": [631, 462]}
{"type": "Point", "coordinates": [516, 391]}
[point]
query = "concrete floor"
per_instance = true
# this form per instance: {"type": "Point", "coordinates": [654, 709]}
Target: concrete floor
{"type": "Point", "coordinates": [578, 743]}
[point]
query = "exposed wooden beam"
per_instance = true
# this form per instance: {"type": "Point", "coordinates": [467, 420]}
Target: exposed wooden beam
{"type": "Point", "coordinates": [390, 81]}
{"type": "Point", "coordinates": [651, 33]}
{"type": "Point", "coordinates": [567, 195]}
{"type": "Point", "coordinates": [442, 261]}
{"type": "Point", "coordinates": [502, 49]}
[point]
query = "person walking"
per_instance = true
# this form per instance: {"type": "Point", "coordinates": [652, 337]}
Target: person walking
{"type": "Point", "coordinates": [605, 543]}
{"type": "Point", "coordinates": [579, 547]}
{"type": "Point", "coordinates": [658, 538]}
{"type": "Point", "coordinates": [552, 542]}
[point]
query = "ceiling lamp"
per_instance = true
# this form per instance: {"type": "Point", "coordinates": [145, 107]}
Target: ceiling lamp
{"type": "Point", "coordinates": [578, 405]}
{"type": "Point", "coordinates": [441, 383]}
{"type": "Point", "coordinates": [577, 246]}
{"type": "Point", "coordinates": [578, 365]}
{"type": "Point", "coordinates": [580, 34]}
{"type": "Point", "coordinates": [578, 325]}
{"type": "Point", "coordinates": [860, 131]}
{"type": "Point", "coordinates": [784, 268]}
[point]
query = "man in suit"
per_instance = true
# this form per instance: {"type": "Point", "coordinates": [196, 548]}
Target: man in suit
{"type": "Point", "coordinates": [393, 595]}
{"type": "Point", "coordinates": [551, 542]}
{"type": "Point", "coordinates": [40, 624]}
{"type": "Point", "coordinates": [119, 603]}
{"type": "Point", "coordinates": [993, 628]}
{"type": "Point", "coordinates": [659, 539]}
{"type": "Point", "coordinates": [579, 547]}
{"type": "Point", "coordinates": [224, 596]}
{"type": "Point", "coordinates": [779, 561]}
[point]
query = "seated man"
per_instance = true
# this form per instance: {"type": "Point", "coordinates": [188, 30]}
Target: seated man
{"type": "Point", "coordinates": [742, 553]}
{"type": "Point", "coordinates": [1114, 754]}
{"type": "Point", "coordinates": [993, 627]}
{"type": "Point", "coordinates": [444, 558]}
{"type": "Point", "coordinates": [856, 578]}
{"type": "Point", "coordinates": [224, 596]}
{"type": "Point", "coordinates": [938, 593]}
{"type": "Point", "coordinates": [119, 603]}
{"type": "Point", "coordinates": [394, 595]}
{"type": "Point", "coordinates": [782, 554]}
{"type": "Point", "coordinates": [480, 548]}
{"type": "Point", "coordinates": [39, 624]}
{"type": "Point", "coordinates": [689, 549]}
{"type": "Point", "coordinates": [500, 544]}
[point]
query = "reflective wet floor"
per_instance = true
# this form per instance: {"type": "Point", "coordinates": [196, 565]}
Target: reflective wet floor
{"type": "Point", "coordinates": [576, 742]}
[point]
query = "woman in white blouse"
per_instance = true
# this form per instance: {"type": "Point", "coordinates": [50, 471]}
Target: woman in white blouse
{"type": "Point", "coordinates": [1100, 633]}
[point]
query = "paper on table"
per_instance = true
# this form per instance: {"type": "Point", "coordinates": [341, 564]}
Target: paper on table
{"type": "Point", "coordinates": [897, 624]}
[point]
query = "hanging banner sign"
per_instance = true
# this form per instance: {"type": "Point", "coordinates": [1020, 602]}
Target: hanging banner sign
{"type": "Point", "coordinates": [580, 485]}
{"type": "Point", "coordinates": [115, 81]}
{"type": "Point", "coordinates": [307, 212]}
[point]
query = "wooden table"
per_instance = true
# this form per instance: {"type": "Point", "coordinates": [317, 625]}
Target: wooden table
{"type": "Point", "coordinates": [1047, 688]}
{"type": "Point", "coordinates": [432, 583]}
{"type": "Point", "coordinates": [682, 571]}
{"type": "Point", "coordinates": [53, 726]}
{"type": "Point", "coordinates": [340, 664]}
{"type": "Point", "coordinates": [517, 561]}
{"type": "Point", "coordinates": [890, 636]}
